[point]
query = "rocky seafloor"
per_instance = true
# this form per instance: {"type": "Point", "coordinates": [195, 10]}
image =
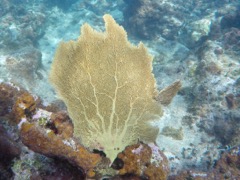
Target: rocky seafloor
{"type": "Point", "coordinates": [197, 42]}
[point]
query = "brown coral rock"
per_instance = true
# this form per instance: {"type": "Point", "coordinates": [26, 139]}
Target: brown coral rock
{"type": "Point", "coordinates": [62, 124]}
{"type": "Point", "coordinates": [228, 167]}
{"type": "Point", "coordinates": [231, 101]}
{"type": "Point", "coordinates": [44, 132]}
{"type": "Point", "coordinates": [15, 103]}
{"type": "Point", "coordinates": [8, 95]}
{"type": "Point", "coordinates": [166, 95]}
{"type": "Point", "coordinates": [9, 149]}
{"type": "Point", "coordinates": [24, 106]}
{"type": "Point", "coordinates": [48, 143]}
{"type": "Point", "coordinates": [145, 161]}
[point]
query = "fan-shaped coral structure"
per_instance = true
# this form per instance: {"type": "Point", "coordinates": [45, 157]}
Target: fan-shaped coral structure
{"type": "Point", "coordinates": [108, 87]}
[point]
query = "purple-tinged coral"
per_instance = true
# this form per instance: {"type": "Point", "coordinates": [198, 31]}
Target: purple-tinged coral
{"type": "Point", "coordinates": [144, 160]}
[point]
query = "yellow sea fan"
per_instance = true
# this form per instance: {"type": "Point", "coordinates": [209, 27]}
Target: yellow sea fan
{"type": "Point", "coordinates": [108, 87]}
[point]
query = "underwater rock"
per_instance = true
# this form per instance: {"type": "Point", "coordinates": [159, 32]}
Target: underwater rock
{"type": "Point", "coordinates": [172, 132]}
{"type": "Point", "coordinates": [46, 136]}
{"type": "Point", "coordinates": [173, 19]}
{"type": "Point", "coordinates": [14, 102]}
{"type": "Point", "coordinates": [24, 68]}
{"type": "Point", "coordinates": [228, 166]}
{"type": "Point", "coordinates": [5, 6]}
{"type": "Point", "coordinates": [200, 29]}
{"type": "Point", "coordinates": [7, 94]}
{"type": "Point", "coordinates": [149, 19]}
{"type": "Point", "coordinates": [231, 20]}
{"type": "Point", "coordinates": [226, 127]}
{"type": "Point", "coordinates": [50, 134]}
{"type": "Point", "coordinates": [24, 63]}
{"type": "Point", "coordinates": [231, 40]}
{"type": "Point", "coordinates": [24, 106]}
{"type": "Point", "coordinates": [42, 131]}
{"type": "Point", "coordinates": [231, 101]}
{"type": "Point", "coordinates": [191, 175]}
{"type": "Point", "coordinates": [9, 149]}
{"type": "Point", "coordinates": [61, 124]}
{"type": "Point", "coordinates": [144, 160]}
{"type": "Point", "coordinates": [21, 26]}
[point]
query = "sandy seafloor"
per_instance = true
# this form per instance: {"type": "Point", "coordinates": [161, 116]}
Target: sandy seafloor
{"type": "Point", "coordinates": [202, 100]}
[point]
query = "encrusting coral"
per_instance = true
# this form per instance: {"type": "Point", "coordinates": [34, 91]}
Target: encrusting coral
{"type": "Point", "coordinates": [24, 106]}
{"type": "Point", "coordinates": [144, 161]}
{"type": "Point", "coordinates": [108, 87]}
{"type": "Point", "coordinates": [45, 141]}
{"type": "Point", "coordinates": [42, 131]}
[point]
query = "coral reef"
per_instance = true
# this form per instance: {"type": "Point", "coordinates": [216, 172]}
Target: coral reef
{"type": "Point", "coordinates": [232, 101]}
{"type": "Point", "coordinates": [51, 135]}
{"type": "Point", "coordinates": [20, 26]}
{"type": "Point", "coordinates": [52, 145]}
{"type": "Point", "coordinates": [35, 166]}
{"type": "Point", "coordinates": [22, 67]}
{"type": "Point", "coordinates": [149, 19]}
{"type": "Point", "coordinates": [42, 131]}
{"type": "Point", "coordinates": [24, 63]}
{"type": "Point", "coordinates": [219, 110]}
{"type": "Point", "coordinates": [172, 132]}
{"type": "Point", "coordinates": [109, 101]}
{"type": "Point", "coordinates": [144, 160]}
{"type": "Point", "coordinates": [230, 20]}
{"type": "Point", "coordinates": [15, 102]}
{"type": "Point", "coordinates": [188, 22]}
{"type": "Point", "coordinates": [195, 41]}
{"type": "Point", "coordinates": [7, 94]}
{"type": "Point", "coordinates": [231, 39]}
{"type": "Point", "coordinates": [200, 29]}
{"type": "Point", "coordinates": [227, 167]}
{"type": "Point", "coordinates": [9, 150]}
{"type": "Point", "coordinates": [24, 106]}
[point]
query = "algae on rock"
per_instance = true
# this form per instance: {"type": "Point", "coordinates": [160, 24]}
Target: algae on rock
{"type": "Point", "coordinates": [108, 87]}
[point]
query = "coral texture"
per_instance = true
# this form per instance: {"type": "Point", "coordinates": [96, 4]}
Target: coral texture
{"type": "Point", "coordinates": [9, 149]}
{"type": "Point", "coordinates": [24, 63]}
{"type": "Point", "coordinates": [108, 87]}
{"type": "Point", "coordinates": [15, 103]}
{"type": "Point", "coordinates": [51, 140]}
{"type": "Point", "coordinates": [24, 106]}
{"type": "Point", "coordinates": [145, 161]}
{"type": "Point", "coordinates": [227, 167]}
{"type": "Point", "coordinates": [40, 130]}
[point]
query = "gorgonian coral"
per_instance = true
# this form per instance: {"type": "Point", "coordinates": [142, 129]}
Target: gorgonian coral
{"type": "Point", "coordinates": [108, 87]}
